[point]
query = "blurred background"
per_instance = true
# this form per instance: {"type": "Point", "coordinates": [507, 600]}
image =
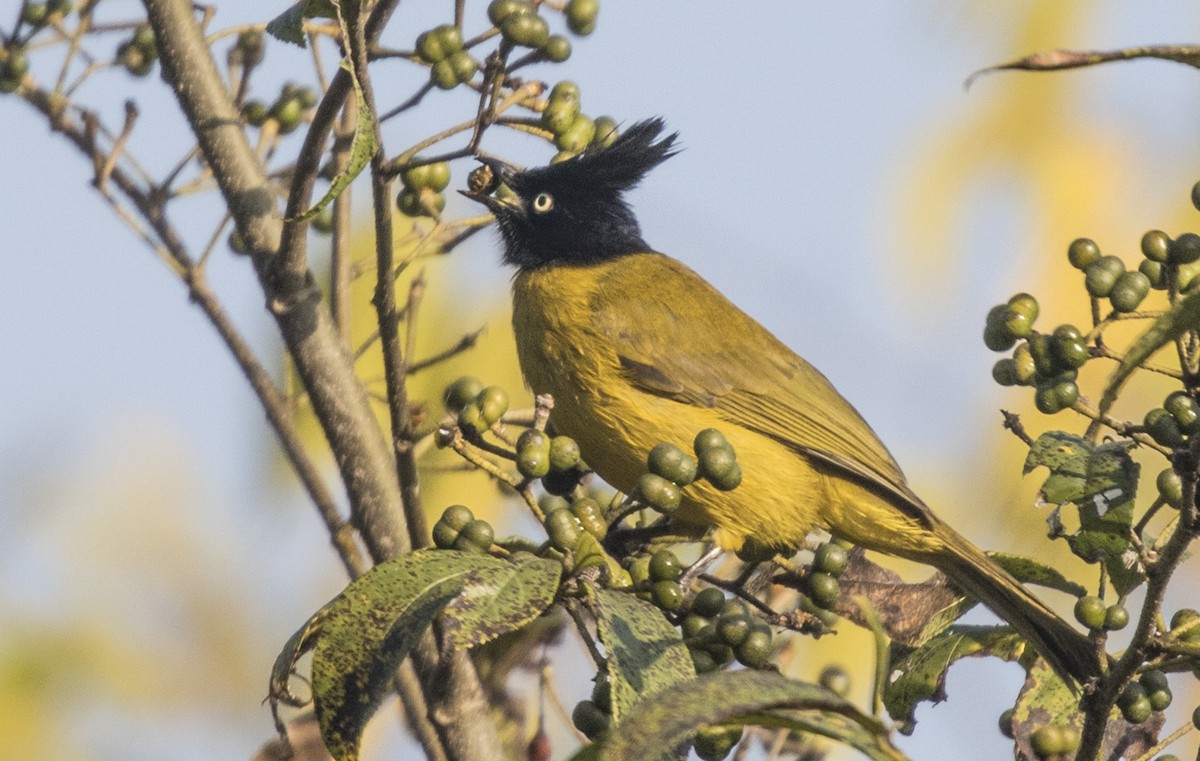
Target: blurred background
{"type": "Point", "coordinates": [838, 182]}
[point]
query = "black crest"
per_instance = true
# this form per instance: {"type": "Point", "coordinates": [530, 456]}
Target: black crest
{"type": "Point", "coordinates": [573, 212]}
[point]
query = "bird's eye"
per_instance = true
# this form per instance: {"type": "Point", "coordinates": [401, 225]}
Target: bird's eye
{"type": "Point", "coordinates": [543, 203]}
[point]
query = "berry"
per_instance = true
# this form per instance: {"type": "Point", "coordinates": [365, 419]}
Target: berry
{"type": "Point", "coordinates": [1129, 290]}
{"type": "Point", "coordinates": [476, 536]}
{"type": "Point", "coordinates": [830, 558]}
{"type": "Point", "coordinates": [996, 335]}
{"type": "Point", "coordinates": [1185, 249]}
{"type": "Point", "coordinates": [1156, 245]}
{"type": "Point", "coordinates": [835, 679]}
{"type": "Point", "coordinates": [755, 649]}
{"type": "Point", "coordinates": [1083, 253]}
{"type": "Point", "coordinates": [581, 16]}
{"type": "Point", "coordinates": [461, 392]}
{"type": "Point", "coordinates": [556, 49]}
{"type": "Point", "coordinates": [493, 403]}
{"type": "Point", "coordinates": [823, 590]}
{"type": "Point", "coordinates": [1170, 487]}
{"type": "Point", "coordinates": [667, 595]}
{"type": "Point", "coordinates": [564, 453]}
{"type": "Point", "coordinates": [1090, 611]}
{"type": "Point", "coordinates": [1101, 275]}
{"type": "Point", "coordinates": [498, 10]}
{"type": "Point", "coordinates": [1184, 409]}
{"type": "Point", "coordinates": [525, 29]}
{"type": "Point", "coordinates": [658, 493]}
{"type": "Point", "coordinates": [1116, 618]}
{"type": "Point", "coordinates": [564, 528]}
{"type": "Point", "coordinates": [589, 719]}
{"type": "Point", "coordinates": [665, 566]}
{"type": "Point", "coordinates": [1162, 427]}
{"type": "Point", "coordinates": [672, 463]}
{"type": "Point", "coordinates": [708, 602]}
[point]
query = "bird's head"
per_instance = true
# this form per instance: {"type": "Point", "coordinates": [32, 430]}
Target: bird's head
{"type": "Point", "coordinates": [573, 212]}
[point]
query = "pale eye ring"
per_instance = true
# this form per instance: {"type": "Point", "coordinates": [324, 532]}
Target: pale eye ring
{"type": "Point", "coordinates": [543, 202]}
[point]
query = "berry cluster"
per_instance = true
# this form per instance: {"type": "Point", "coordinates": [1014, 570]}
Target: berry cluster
{"type": "Point", "coordinates": [288, 110]}
{"type": "Point", "coordinates": [572, 129]}
{"type": "Point", "coordinates": [138, 53]}
{"type": "Point", "coordinates": [1049, 362]}
{"type": "Point", "coordinates": [449, 64]}
{"type": "Point", "coordinates": [423, 184]}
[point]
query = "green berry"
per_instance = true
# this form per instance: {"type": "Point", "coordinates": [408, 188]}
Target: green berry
{"type": "Point", "coordinates": [1069, 347]}
{"type": "Point", "coordinates": [996, 335]}
{"type": "Point", "coordinates": [1163, 428]}
{"type": "Point", "coordinates": [1170, 487]}
{"type": "Point", "coordinates": [667, 595]}
{"type": "Point", "coordinates": [733, 624]}
{"type": "Point", "coordinates": [581, 16]}
{"type": "Point", "coordinates": [1196, 203]}
{"type": "Point", "coordinates": [1054, 396]}
{"type": "Point", "coordinates": [703, 661]}
{"type": "Point", "coordinates": [461, 392]}
{"type": "Point", "coordinates": [1004, 372]}
{"type": "Point", "coordinates": [589, 719]}
{"type": "Point", "coordinates": [1185, 249]}
{"type": "Point", "coordinates": [493, 403]}
{"type": "Point", "coordinates": [672, 463]}
{"type": "Point", "coordinates": [709, 438]}
{"type": "Point", "coordinates": [1160, 700]}
{"type": "Point", "coordinates": [577, 136]}
{"type": "Point", "coordinates": [715, 743]}
{"type": "Point", "coordinates": [1186, 617]}
{"type": "Point", "coordinates": [498, 10]}
{"type": "Point", "coordinates": [590, 516]}
{"type": "Point", "coordinates": [1184, 409]}
{"type": "Point", "coordinates": [556, 49]}
{"type": "Point", "coordinates": [289, 113]}
{"type": "Point", "coordinates": [835, 679]}
{"type": "Point", "coordinates": [823, 590]}
{"type": "Point", "coordinates": [659, 493]}
{"type": "Point", "coordinates": [476, 536]}
{"type": "Point", "coordinates": [564, 482]}
{"type": "Point", "coordinates": [1090, 611]}
{"type": "Point", "coordinates": [564, 529]}
{"type": "Point", "coordinates": [830, 558]}
{"type": "Point", "coordinates": [1134, 703]}
{"type": "Point", "coordinates": [526, 30]}
{"type": "Point", "coordinates": [693, 624]}
{"type": "Point", "coordinates": [564, 453]}
{"type": "Point", "coordinates": [35, 14]}
{"type": "Point", "coordinates": [1101, 276]}
{"type": "Point", "coordinates": [136, 61]}
{"type": "Point", "coordinates": [533, 454]}
{"type": "Point", "coordinates": [606, 131]}
{"type": "Point", "coordinates": [1116, 618]}
{"type": "Point", "coordinates": [255, 113]}
{"type": "Point", "coordinates": [1041, 348]}
{"type": "Point", "coordinates": [718, 463]}
{"type": "Point", "coordinates": [1155, 273]}
{"type": "Point", "coordinates": [1025, 305]}
{"type": "Point", "coordinates": [1083, 253]}
{"type": "Point", "coordinates": [1024, 365]}
{"type": "Point", "coordinates": [457, 517]}
{"type": "Point", "coordinates": [665, 566]}
{"type": "Point", "coordinates": [755, 649]}
{"type": "Point", "coordinates": [1156, 246]}
{"type": "Point", "coordinates": [1196, 712]}
{"type": "Point", "coordinates": [464, 65]}
{"type": "Point", "coordinates": [708, 602]}
{"type": "Point", "coordinates": [439, 43]}
{"type": "Point", "coordinates": [443, 75]}
{"type": "Point", "coordinates": [1129, 291]}
{"type": "Point", "coordinates": [1006, 723]}
{"type": "Point", "coordinates": [435, 176]}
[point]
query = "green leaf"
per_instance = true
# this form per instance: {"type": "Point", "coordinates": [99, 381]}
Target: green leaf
{"type": "Point", "coordinates": [1045, 699]}
{"type": "Point", "coordinates": [500, 602]}
{"type": "Point", "coordinates": [1030, 571]}
{"type": "Point", "coordinates": [645, 652]}
{"type": "Point", "coordinates": [289, 25]}
{"type": "Point", "coordinates": [1101, 480]}
{"type": "Point", "coordinates": [669, 719]}
{"type": "Point", "coordinates": [1180, 318]}
{"type": "Point", "coordinates": [923, 670]}
{"type": "Point", "coordinates": [362, 147]}
{"type": "Point", "coordinates": [377, 620]}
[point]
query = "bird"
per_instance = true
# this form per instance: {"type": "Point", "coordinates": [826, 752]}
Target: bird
{"type": "Point", "coordinates": [637, 349]}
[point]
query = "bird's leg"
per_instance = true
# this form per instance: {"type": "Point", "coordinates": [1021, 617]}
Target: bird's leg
{"type": "Point", "coordinates": [701, 564]}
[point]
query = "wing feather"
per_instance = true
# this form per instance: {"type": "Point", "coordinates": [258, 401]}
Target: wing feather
{"type": "Point", "coordinates": [677, 336]}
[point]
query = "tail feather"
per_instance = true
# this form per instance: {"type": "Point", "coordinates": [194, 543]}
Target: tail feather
{"type": "Point", "coordinates": [1071, 654]}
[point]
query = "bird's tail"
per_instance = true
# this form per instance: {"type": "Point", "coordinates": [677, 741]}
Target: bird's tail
{"type": "Point", "coordinates": [1071, 654]}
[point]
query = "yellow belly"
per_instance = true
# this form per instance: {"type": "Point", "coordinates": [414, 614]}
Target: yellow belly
{"type": "Point", "coordinates": [617, 424]}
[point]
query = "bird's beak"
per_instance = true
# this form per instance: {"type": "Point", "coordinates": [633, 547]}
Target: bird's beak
{"type": "Point", "coordinates": [482, 189]}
